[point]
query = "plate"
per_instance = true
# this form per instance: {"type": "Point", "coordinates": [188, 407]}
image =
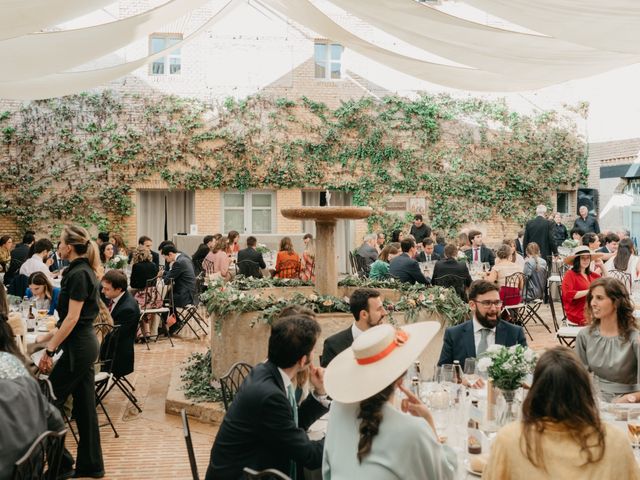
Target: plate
{"type": "Point", "coordinates": [43, 329]}
{"type": "Point", "coordinates": [467, 467]}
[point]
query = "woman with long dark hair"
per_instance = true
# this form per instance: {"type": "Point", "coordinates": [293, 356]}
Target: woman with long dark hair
{"type": "Point", "coordinates": [560, 434]}
{"type": "Point", "coordinates": [610, 346]}
{"type": "Point", "coordinates": [41, 288]}
{"type": "Point", "coordinates": [575, 284]}
{"type": "Point", "coordinates": [625, 259]}
{"type": "Point", "coordinates": [73, 374]}
{"type": "Point", "coordinates": [367, 437]}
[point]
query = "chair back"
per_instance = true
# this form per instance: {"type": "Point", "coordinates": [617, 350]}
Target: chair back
{"type": "Point", "coordinates": [622, 276]}
{"type": "Point", "coordinates": [248, 268]}
{"type": "Point", "coordinates": [44, 452]}
{"type": "Point", "coordinates": [269, 473]}
{"type": "Point", "coordinates": [187, 439]}
{"type": "Point", "coordinates": [152, 297]}
{"type": "Point", "coordinates": [288, 269]}
{"type": "Point", "coordinates": [562, 269]}
{"type": "Point", "coordinates": [108, 339]}
{"type": "Point", "coordinates": [47, 389]}
{"type": "Point", "coordinates": [231, 381]}
{"type": "Point", "coordinates": [451, 281]}
{"type": "Point", "coordinates": [511, 293]}
{"type": "Point", "coordinates": [352, 264]}
{"type": "Point", "coordinates": [362, 268]}
{"type": "Point", "coordinates": [18, 285]}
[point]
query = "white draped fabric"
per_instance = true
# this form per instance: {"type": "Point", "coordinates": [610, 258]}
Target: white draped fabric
{"type": "Point", "coordinates": [607, 25]}
{"type": "Point", "coordinates": [57, 85]}
{"type": "Point", "coordinates": [496, 50]}
{"type": "Point", "coordinates": [19, 17]}
{"type": "Point", "coordinates": [35, 55]}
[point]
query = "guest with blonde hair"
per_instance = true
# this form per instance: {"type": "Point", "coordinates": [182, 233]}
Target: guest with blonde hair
{"type": "Point", "coordinates": [308, 258]}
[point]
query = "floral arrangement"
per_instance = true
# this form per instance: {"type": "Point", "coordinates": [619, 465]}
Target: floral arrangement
{"type": "Point", "coordinates": [196, 378]}
{"type": "Point", "coordinates": [241, 282]}
{"type": "Point", "coordinates": [436, 300]}
{"type": "Point", "coordinates": [570, 243]}
{"type": "Point", "coordinates": [353, 281]}
{"type": "Point", "coordinates": [262, 248]}
{"type": "Point", "coordinates": [118, 262]}
{"type": "Point", "coordinates": [507, 366]}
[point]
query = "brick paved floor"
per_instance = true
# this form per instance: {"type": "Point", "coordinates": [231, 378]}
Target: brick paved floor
{"type": "Point", "coordinates": [151, 445]}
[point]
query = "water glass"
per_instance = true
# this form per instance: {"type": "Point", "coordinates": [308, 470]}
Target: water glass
{"type": "Point", "coordinates": [470, 370]}
{"type": "Point", "coordinates": [633, 424]}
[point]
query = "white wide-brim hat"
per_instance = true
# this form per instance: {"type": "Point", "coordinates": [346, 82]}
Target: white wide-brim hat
{"type": "Point", "coordinates": [376, 359]}
{"type": "Point", "coordinates": [582, 250]}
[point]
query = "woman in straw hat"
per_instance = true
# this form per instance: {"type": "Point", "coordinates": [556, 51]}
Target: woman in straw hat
{"type": "Point", "coordinates": [575, 284]}
{"type": "Point", "coordinates": [367, 437]}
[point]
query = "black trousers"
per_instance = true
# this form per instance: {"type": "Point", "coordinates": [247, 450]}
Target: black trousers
{"type": "Point", "coordinates": [73, 375]}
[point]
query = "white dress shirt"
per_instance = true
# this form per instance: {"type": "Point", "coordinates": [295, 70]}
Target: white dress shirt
{"type": "Point", "coordinates": [355, 331]}
{"type": "Point", "coordinates": [491, 337]}
{"type": "Point", "coordinates": [34, 264]}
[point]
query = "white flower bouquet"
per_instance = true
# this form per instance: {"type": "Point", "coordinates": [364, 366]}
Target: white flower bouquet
{"type": "Point", "coordinates": [118, 262]}
{"type": "Point", "coordinates": [507, 366]}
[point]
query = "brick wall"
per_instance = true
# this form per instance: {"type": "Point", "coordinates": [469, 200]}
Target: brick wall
{"type": "Point", "coordinates": [288, 198]}
{"type": "Point", "coordinates": [208, 210]}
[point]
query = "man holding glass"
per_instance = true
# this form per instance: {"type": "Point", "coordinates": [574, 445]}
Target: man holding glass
{"type": "Point", "coordinates": [472, 338]}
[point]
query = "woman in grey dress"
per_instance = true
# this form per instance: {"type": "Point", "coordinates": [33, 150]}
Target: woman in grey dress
{"type": "Point", "coordinates": [609, 347]}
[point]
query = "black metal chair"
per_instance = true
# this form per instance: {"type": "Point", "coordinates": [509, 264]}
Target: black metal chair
{"type": "Point", "coordinates": [362, 267]}
{"type": "Point", "coordinates": [187, 439]}
{"type": "Point", "coordinates": [189, 316]}
{"type": "Point", "coordinates": [248, 268]}
{"type": "Point", "coordinates": [153, 305]}
{"type": "Point", "coordinates": [622, 276]}
{"type": "Point", "coordinates": [269, 473]}
{"type": "Point", "coordinates": [230, 382]}
{"type": "Point", "coordinates": [45, 452]}
{"type": "Point", "coordinates": [47, 390]}
{"type": "Point", "coordinates": [533, 294]}
{"type": "Point", "coordinates": [513, 305]}
{"type": "Point", "coordinates": [108, 336]}
{"type": "Point", "coordinates": [352, 264]}
{"type": "Point", "coordinates": [452, 281]}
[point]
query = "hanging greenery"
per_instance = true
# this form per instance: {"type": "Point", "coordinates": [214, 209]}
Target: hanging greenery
{"type": "Point", "coordinates": [78, 158]}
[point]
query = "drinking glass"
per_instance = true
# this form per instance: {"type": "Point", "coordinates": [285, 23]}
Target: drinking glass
{"type": "Point", "coordinates": [470, 372]}
{"type": "Point", "coordinates": [633, 424]}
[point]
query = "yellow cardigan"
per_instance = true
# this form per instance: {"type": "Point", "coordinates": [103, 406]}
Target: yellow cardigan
{"type": "Point", "coordinates": [562, 457]}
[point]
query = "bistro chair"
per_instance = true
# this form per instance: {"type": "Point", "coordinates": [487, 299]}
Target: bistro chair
{"type": "Point", "coordinates": [269, 473]}
{"type": "Point", "coordinates": [44, 452]}
{"type": "Point", "coordinates": [248, 268]}
{"type": "Point", "coordinates": [189, 316]}
{"type": "Point", "coordinates": [47, 390]}
{"type": "Point", "coordinates": [511, 296]}
{"type": "Point", "coordinates": [187, 439]}
{"type": "Point", "coordinates": [153, 305]}
{"type": "Point", "coordinates": [452, 281]}
{"type": "Point", "coordinates": [622, 276]}
{"type": "Point", "coordinates": [362, 268]}
{"type": "Point", "coordinates": [352, 264]}
{"type": "Point", "coordinates": [230, 382]}
{"type": "Point", "coordinates": [533, 296]}
{"type": "Point", "coordinates": [108, 337]}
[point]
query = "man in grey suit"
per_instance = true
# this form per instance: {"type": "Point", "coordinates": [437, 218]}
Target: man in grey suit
{"type": "Point", "coordinates": [368, 251]}
{"type": "Point", "coordinates": [181, 272]}
{"type": "Point", "coordinates": [472, 338]}
{"type": "Point", "coordinates": [368, 311]}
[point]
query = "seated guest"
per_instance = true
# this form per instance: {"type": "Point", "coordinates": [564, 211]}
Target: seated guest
{"type": "Point", "coordinates": [107, 252]}
{"type": "Point", "coordinates": [287, 260]}
{"type": "Point", "coordinates": [308, 259]}
{"type": "Point", "coordinates": [6, 244]}
{"type": "Point", "coordinates": [404, 267]}
{"type": "Point", "coordinates": [515, 255]}
{"type": "Point", "coordinates": [625, 259]}
{"type": "Point", "coordinates": [503, 268]}
{"type": "Point", "coordinates": [19, 255]}
{"type": "Point", "coordinates": [143, 268]}
{"type": "Point", "coordinates": [519, 243]}
{"type": "Point", "coordinates": [441, 242]}
{"type": "Point", "coordinates": [396, 236]}
{"type": "Point", "coordinates": [125, 313]}
{"type": "Point", "coordinates": [180, 271]}
{"type": "Point", "coordinates": [369, 438]}
{"type": "Point", "coordinates": [450, 273]}
{"type": "Point", "coordinates": [576, 235]}
{"type": "Point", "coordinates": [380, 239]}
{"type": "Point", "coordinates": [472, 338]}
{"type": "Point", "coordinates": [233, 242]}
{"type": "Point", "coordinates": [368, 311]}
{"type": "Point", "coordinates": [250, 261]}
{"type": "Point", "coordinates": [609, 346]}
{"type": "Point", "coordinates": [610, 247]}
{"type": "Point", "coordinates": [535, 271]}
{"type": "Point", "coordinates": [24, 413]}
{"type": "Point", "coordinates": [591, 240]}
{"type": "Point", "coordinates": [40, 288]}
{"type": "Point", "coordinates": [478, 252]}
{"type": "Point", "coordinates": [103, 237]}
{"type": "Point", "coordinates": [561, 434]}
{"type": "Point", "coordinates": [427, 254]}
{"type": "Point", "coordinates": [575, 284]}
{"type": "Point", "coordinates": [147, 243]}
{"type": "Point", "coordinates": [58, 262]}
{"type": "Point", "coordinates": [367, 251]}
{"type": "Point", "coordinates": [203, 250]}
{"type": "Point", "coordinates": [39, 260]}
{"type": "Point", "coordinates": [463, 242]}
{"type": "Point", "coordinates": [380, 268]}
{"type": "Point", "coordinates": [119, 245]}
{"type": "Point", "coordinates": [264, 427]}
{"type": "Point", "coordinates": [216, 263]}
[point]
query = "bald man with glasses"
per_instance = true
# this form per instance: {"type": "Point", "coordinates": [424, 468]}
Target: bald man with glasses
{"type": "Point", "coordinates": [472, 338]}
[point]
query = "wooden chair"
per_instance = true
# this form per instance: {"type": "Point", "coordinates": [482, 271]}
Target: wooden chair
{"type": "Point", "coordinates": [45, 452]}
{"type": "Point", "coordinates": [269, 473]}
{"type": "Point", "coordinates": [187, 439]}
{"type": "Point", "coordinates": [231, 381]}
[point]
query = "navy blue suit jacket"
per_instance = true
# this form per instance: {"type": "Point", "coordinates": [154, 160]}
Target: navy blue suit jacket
{"type": "Point", "coordinates": [459, 344]}
{"type": "Point", "coordinates": [407, 270]}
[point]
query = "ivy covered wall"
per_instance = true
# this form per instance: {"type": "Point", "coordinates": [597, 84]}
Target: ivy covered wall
{"type": "Point", "coordinates": [76, 158]}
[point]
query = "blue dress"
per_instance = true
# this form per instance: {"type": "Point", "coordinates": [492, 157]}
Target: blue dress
{"type": "Point", "coordinates": [54, 300]}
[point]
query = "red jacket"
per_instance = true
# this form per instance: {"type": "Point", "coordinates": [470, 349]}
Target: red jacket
{"type": "Point", "coordinates": [571, 284]}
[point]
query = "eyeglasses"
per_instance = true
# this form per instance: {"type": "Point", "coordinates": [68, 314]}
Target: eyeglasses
{"type": "Point", "coordinates": [490, 303]}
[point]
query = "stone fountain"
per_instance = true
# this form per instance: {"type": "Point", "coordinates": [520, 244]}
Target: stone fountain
{"type": "Point", "coordinates": [325, 219]}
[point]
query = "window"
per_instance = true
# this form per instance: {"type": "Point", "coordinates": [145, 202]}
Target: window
{"type": "Point", "coordinates": [328, 57]}
{"type": "Point", "coordinates": [250, 212]}
{"type": "Point", "coordinates": [171, 64]}
{"type": "Point", "coordinates": [563, 202]}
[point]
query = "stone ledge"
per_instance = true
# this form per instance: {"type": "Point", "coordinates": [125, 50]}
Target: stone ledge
{"type": "Point", "coordinates": [206, 412]}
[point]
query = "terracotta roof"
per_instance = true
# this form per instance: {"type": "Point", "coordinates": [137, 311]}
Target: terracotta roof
{"type": "Point", "coordinates": [614, 150]}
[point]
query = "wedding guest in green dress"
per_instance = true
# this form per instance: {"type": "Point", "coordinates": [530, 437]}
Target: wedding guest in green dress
{"type": "Point", "coordinates": [380, 268]}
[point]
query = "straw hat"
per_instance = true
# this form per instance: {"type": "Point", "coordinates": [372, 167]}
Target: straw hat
{"type": "Point", "coordinates": [377, 358]}
{"type": "Point", "coordinates": [579, 251]}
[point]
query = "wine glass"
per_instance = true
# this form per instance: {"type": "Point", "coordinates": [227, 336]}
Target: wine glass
{"type": "Point", "coordinates": [470, 370]}
{"type": "Point", "coordinates": [633, 424]}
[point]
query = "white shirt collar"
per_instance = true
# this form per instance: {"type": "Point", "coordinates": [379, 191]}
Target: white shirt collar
{"type": "Point", "coordinates": [285, 379]}
{"type": "Point", "coordinates": [115, 300]}
{"type": "Point", "coordinates": [36, 257]}
{"type": "Point", "coordinates": [477, 327]}
{"type": "Point", "coordinates": [355, 331]}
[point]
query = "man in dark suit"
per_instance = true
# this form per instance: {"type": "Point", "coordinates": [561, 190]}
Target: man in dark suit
{"type": "Point", "coordinates": [368, 311]}
{"type": "Point", "coordinates": [540, 230]}
{"type": "Point", "coordinates": [404, 267]}
{"type": "Point", "coordinates": [478, 252]}
{"type": "Point", "coordinates": [450, 273]}
{"type": "Point", "coordinates": [181, 272]}
{"type": "Point", "coordinates": [125, 313]}
{"type": "Point", "coordinates": [472, 338]}
{"type": "Point", "coordinates": [428, 254]}
{"type": "Point", "coordinates": [19, 255]}
{"type": "Point", "coordinates": [264, 426]}
{"type": "Point", "coordinates": [610, 247]}
{"type": "Point", "coordinates": [250, 261]}
{"type": "Point", "coordinates": [147, 243]}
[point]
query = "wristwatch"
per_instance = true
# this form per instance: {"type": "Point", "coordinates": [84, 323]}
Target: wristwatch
{"type": "Point", "coordinates": [50, 353]}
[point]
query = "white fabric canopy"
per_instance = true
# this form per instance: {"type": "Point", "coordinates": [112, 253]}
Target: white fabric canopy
{"type": "Point", "coordinates": [35, 55]}
{"type": "Point", "coordinates": [305, 13]}
{"type": "Point", "coordinates": [501, 51]}
{"type": "Point", "coordinates": [608, 25]}
{"type": "Point", "coordinates": [19, 17]}
{"type": "Point", "coordinates": [61, 84]}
